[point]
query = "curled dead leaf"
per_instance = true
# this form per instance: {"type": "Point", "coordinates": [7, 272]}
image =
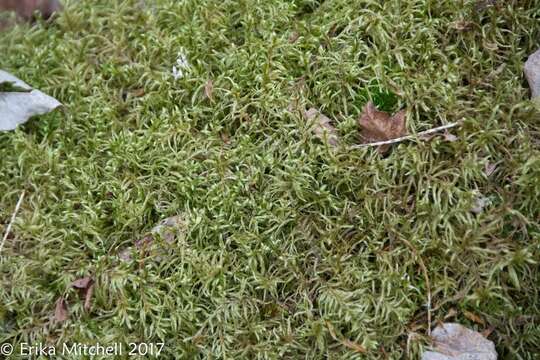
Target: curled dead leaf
{"type": "Point", "coordinates": [88, 297]}
{"type": "Point", "coordinates": [322, 127]}
{"type": "Point", "coordinates": [380, 126]}
{"type": "Point", "coordinates": [225, 138]}
{"type": "Point", "coordinates": [86, 285]}
{"type": "Point", "coordinates": [82, 283]}
{"type": "Point", "coordinates": [61, 311]}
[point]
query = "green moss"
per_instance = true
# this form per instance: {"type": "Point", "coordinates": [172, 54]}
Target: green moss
{"type": "Point", "coordinates": [284, 235]}
{"type": "Point", "coordinates": [8, 86]}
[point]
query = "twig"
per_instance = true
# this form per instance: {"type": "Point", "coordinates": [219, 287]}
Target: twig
{"type": "Point", "coordinates": [408, 137]}
{"type": "Point", "coordinates": [8, 229]}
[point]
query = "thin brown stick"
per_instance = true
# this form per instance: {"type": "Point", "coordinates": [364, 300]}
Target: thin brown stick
{"type": "Point", "coordinates": [408, 137]}
{"type": "Point", "coordinates": [13, 216]}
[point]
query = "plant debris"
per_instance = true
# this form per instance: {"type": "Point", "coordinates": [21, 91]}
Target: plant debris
{"type": "Point", "coordinates": [380, 126]}
{"type": "Point", "coordinates": [453, 341]}
{"type": "Point", "coordinates": [82, 283]}
{"type": "Point", "coordinates": [450, 137]}
{"type": "Point", "coordinates": [490, 168]}
{"type": "Point", "coordinates": [284, 232]}
{"type": "Point", "coordinates": [17, 107]}
{"type": "Point", "coordinates": [61, 313]}
{"type": "Point", "coordinates": [170, 229]}
{"type": "Point", "coordinates": [27, 8]}
{"type": "Point", "coordinates": [532, 73]}
{"type": "Point", "coordinates": [10, 224]}
{"type": "Point", "coordinates": [474, 318]}
{"type": "Point", "coordinates": [322, 127]}
{"type": "Point", "coordinates": [209, 90]}
{"type": "Point", "coordinates": [86, 285]}
{"type": "Point", "coordinates": [88, 292]}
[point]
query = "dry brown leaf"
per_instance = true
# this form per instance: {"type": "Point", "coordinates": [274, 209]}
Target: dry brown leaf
{"type": "Point", "coordinates": [322, 127]}
{"type": "Point", "coordinates": [82, 283]}
{"type": "Point", "coordinates": [61, 312]}
{"type": "Point", "coordinates": [88, 297]}
{"type": "Point", "coordinates": [209, 90]}
{"type": "Point", "coordinates": [25, 8]}
{"type": "Point", "coordinates": [474, 318]}
{"type": "Point", "coordinates": [86, 285]}
{"type": "Point", "coordinates": [380, 126]}
{"type": "Point", "coordinates": [225, 138]}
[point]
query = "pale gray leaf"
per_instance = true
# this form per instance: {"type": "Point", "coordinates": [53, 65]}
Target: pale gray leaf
{"type": "Point", "coordinates": [17, 107]}
{"type": "Point", "coordinates": [322, 126]}
{"type": "Point", "coordinates": [532, 73]}
{"type": "Point", "coordinates": [455, 342]}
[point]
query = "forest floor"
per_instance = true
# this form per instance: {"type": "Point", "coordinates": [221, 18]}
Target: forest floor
{"type": "Point", "coordinates": [289, 248]}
